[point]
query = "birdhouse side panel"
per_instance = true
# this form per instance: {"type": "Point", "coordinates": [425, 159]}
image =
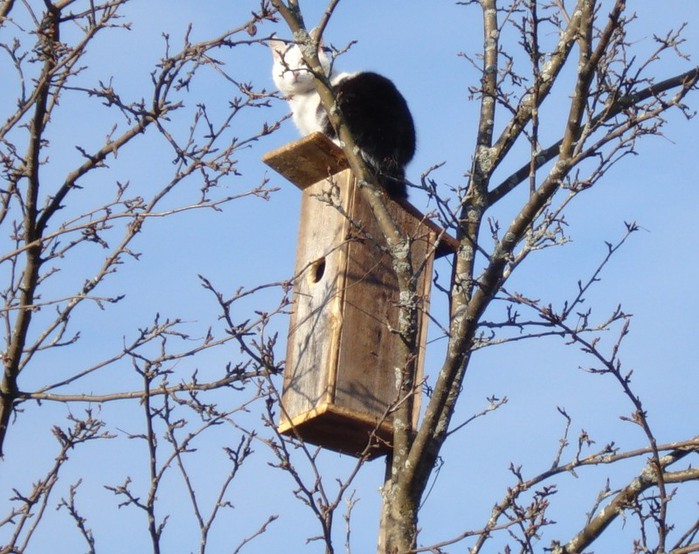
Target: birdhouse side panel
{"type": "Point", "coordinates": [370, 363]}
{"type": "Point", "coordinates": [365, 377]}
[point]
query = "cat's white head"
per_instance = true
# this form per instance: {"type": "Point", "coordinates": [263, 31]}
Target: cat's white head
{"type": "Point", "coordinates": [290, 72]}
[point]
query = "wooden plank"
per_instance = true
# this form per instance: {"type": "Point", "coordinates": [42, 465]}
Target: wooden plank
{"type": "Point", "coordinates": [314, 330]}
{"type": "Point", "coordinates": [366, 379]}
{"type": "Point", "coordinates": [369, 346]}
{"type": "Point", "coordinates": [308, 160]}
{"type": "Point", "coordinates": [341, 430]}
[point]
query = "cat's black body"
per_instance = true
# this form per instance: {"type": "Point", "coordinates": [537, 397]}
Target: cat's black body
{"type": "Point", "coordinates": [380, 122]}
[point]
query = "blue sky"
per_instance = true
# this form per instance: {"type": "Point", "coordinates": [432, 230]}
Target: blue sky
{"type": "Point", "coordinates": [253, 241]}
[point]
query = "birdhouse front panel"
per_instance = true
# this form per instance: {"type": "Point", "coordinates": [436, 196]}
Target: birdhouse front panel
{"type": "Point", "coordinates": [316, 318]}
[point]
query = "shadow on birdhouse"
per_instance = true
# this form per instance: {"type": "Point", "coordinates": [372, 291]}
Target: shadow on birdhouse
{"type": "Point", "coordinates": [342, 360]}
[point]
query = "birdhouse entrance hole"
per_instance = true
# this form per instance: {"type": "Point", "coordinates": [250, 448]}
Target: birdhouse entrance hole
{"type": "Point", "coordinates": [342, 354]}
{"type": "Point", "coordinates": [317, 270]}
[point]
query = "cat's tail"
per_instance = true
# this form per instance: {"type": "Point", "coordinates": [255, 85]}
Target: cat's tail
{"type": "Point", "coordinates": [393, 184]}
{"type": "Point", "coordinates": [390, 176]}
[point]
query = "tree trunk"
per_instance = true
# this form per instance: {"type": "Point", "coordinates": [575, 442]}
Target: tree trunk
{"type": "Point", "coordinates": [398, 530]}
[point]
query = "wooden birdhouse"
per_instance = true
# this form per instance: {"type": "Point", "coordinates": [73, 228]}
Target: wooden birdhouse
{"type": "Point", "coordinates": [341, 361]}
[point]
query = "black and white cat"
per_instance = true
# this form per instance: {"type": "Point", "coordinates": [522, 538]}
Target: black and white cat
{"type": "Point", "coordinates": [377, 115]}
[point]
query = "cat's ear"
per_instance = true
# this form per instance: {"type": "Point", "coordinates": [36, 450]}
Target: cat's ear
{"type": "Point", "coordinates": [314, 36]}
{"type": "Point", "coordinates": [278, 47]}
